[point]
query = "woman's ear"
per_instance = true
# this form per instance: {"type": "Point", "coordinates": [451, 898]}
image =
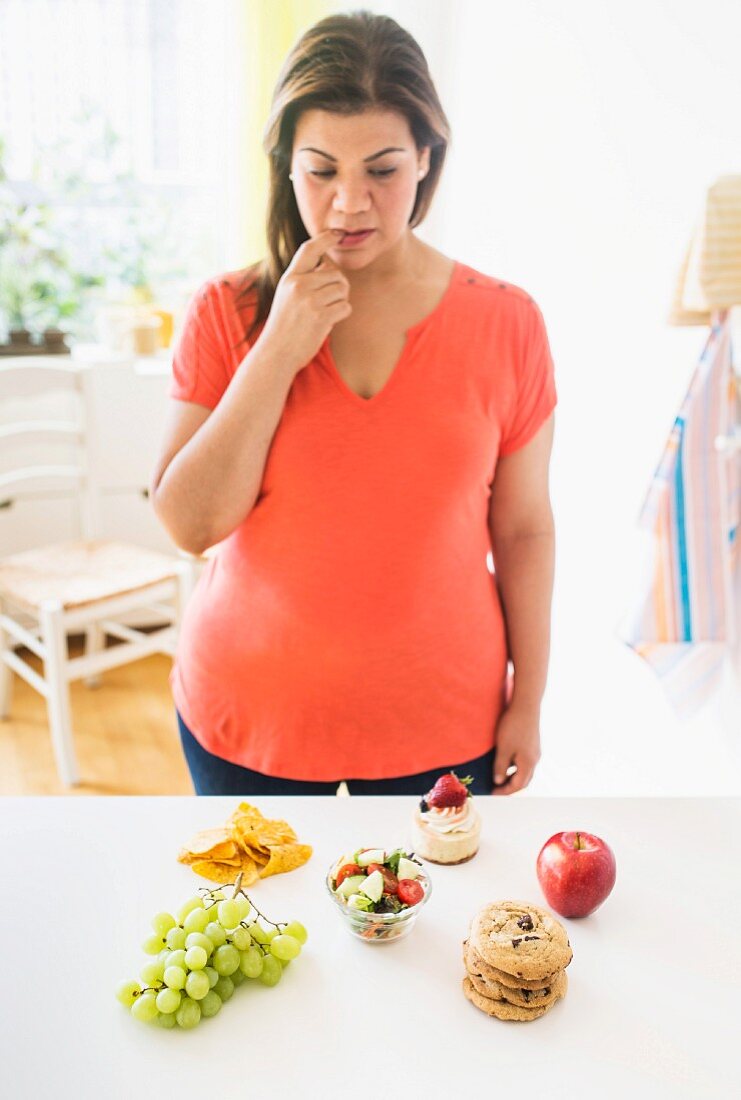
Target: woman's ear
{"type": "Point", "coordinates": [423, 162]}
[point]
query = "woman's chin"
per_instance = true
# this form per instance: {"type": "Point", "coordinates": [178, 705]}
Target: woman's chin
{"type": "Point", "coordinates": [353, 259]}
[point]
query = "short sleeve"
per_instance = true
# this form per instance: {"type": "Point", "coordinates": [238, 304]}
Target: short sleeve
{"type": "Point", "coordinates": [200, 362]}
{"type": "Point", "coordinates": [535, 385]}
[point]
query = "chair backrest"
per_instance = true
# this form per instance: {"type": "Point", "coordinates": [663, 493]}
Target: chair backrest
{"type": "Point", "coordinates": [44, 427]}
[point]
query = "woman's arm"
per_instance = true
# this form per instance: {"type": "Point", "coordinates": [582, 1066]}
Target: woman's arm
{"type": "Point", "coordinates": [211, 464]}
{"type": "Point", "coordinates": [523, 548]}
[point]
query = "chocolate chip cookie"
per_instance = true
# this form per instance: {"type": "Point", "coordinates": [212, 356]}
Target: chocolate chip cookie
{"type": "Point", "coordinates": [522, 998]}
{"type": "Point", "coordinates": [520, 939]}
{"type": "Point", "coordinates": [475, 964]}
{"type": "Point", "coordinates": [503, 1010]}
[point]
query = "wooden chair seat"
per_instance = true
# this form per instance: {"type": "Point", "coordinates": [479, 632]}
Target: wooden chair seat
{"type": "Point", "coordinates": [75, 574]}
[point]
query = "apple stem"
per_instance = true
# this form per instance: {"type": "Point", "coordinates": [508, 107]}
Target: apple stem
{"type": "Point", "coordinates": [577, 843]}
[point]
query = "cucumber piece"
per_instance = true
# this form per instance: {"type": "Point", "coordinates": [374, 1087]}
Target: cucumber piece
{"type": "Point", "coordinates": [408, 869]}
{"type": "Point", "coordinates": [351, 885]}
{"type": "Point", "coordinates": [373, 855]}
{"type": "Point", "coordinates": [372, 886]}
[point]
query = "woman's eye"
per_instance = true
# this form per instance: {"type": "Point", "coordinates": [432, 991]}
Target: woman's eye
{"type": "Point", "coordinates": [378, 172]}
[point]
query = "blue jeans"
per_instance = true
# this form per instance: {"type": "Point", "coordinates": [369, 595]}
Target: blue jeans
{"type": "Point", "coordinates": [214, 775]}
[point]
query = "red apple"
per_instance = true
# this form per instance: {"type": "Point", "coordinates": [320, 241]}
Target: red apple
{"type": "Point", "coordinates": [576, 872]}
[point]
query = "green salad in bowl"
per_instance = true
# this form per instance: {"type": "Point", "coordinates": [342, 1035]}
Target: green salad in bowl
{"type": "Point", "coordinates": [379, 892]}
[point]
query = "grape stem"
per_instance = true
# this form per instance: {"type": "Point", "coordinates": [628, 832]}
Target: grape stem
{"type": "Point", "coordinates": [237, 884]}
{"type": "Point", "coordinates": [209, 896]}
{"type": "Point", "coordinates": [238, 890]}
{"type": "Point", "coordinates": [275, 924]}
{"type": "Point", "coordinates": [262, 946]}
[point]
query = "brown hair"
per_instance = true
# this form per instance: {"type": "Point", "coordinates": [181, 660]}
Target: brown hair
{"type": "Point", "coordinates": [346, 63]}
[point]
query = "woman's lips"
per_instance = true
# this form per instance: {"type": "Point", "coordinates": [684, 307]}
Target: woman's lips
{"type": "Point", "coordinates": [351, 239]}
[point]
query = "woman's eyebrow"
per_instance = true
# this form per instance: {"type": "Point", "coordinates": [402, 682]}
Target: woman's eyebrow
{"type": "Point", "coordinates": [375, 156]}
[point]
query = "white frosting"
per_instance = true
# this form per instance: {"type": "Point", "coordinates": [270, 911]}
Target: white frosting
{"type": "Point", "coordinates": [450, 819]}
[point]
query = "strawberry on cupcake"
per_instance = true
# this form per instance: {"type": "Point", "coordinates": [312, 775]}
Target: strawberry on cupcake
{"type": "Point", "coordinates": [446, 826]}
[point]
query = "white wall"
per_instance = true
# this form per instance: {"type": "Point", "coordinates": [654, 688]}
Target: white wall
{"type": "Point", "coordinates": [584, 137]}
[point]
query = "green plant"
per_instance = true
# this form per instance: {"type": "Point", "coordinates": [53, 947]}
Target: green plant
{"type": "Point", "coordinates": [82, 229]}
{"type": "Point", "coordinates": [38, 286]}
{"type": "Point", "coordinates": [117, 227]}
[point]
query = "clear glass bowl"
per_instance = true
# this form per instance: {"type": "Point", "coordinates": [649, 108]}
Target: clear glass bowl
{"type": "Point", "coordinates": [379, 927]}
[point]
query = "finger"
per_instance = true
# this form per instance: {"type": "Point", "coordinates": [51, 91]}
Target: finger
{"type": "Point", "coordinates": [329, 294]}
{"type": "Point", "coordinates": [525, 772]}
{"type": "Point", "coordinates": [520, 779]}
{"type": "Point", "coordinates": [502, 764]}
{"type": "Point", "coordinates": [505, 778]}
{"type": "Point", "coordinates": [326, 263]}
{"type": "Point", "coordinates": [308, 254]}
{"type": "Point", "coordinates": [327, 270]}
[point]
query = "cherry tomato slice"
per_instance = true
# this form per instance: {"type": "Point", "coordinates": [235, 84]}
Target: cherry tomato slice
{"type": "Point", "coordinates": [410, 892]}
{"type": "Point", "coordinates": [346, 870]}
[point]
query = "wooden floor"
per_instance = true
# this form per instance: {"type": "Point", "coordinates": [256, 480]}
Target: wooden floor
{"type": "Point", "coordinates": [125, 732]}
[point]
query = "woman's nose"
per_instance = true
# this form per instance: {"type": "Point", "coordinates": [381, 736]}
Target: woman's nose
{"type": "Point", "coordinates": [351, 197]}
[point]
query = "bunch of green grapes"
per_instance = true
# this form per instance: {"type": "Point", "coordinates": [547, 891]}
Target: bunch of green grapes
{"type": "Point", "coordinates": [200, 957]}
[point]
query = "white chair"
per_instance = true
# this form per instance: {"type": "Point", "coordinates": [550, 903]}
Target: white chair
{"type": "Point", "coordinates": [84, 585]}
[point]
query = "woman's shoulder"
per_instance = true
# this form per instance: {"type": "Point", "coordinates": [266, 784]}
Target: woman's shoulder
{"type": "Point", "coordinates": [221, 311]}
{"type": "Point", "coordinates": [493, 287]}
{"type": "Point", "coordinates": [492, 318]}
{"type": "Point", "coordinates": [495, 307]}
{"type": "Point", "coordinates": [236, 287]}
{"type": "Point", "coordinates": [228, 302]}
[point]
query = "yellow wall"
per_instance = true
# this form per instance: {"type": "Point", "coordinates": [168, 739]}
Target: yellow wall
{"type": "Point", "coordinates": [266, 30]}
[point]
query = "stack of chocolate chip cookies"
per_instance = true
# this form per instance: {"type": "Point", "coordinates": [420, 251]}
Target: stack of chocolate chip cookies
{"type": "Point", "coordinates": [515, 956]}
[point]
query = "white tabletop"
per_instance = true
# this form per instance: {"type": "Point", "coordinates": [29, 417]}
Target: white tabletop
{"type": "Point", "coordinates": [653, 1007]}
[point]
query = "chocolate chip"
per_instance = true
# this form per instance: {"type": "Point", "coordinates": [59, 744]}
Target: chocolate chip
{"type": "Point", "coordinates": [532, 937]}
{"type": "Point", "coordinates": [516, 943]}
{"type": "Point", "coordinates": [423, 806]}
{"type": "Point", "coordinates": [525, 922]}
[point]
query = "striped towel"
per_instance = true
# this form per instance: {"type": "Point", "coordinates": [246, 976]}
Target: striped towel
{"type": "Point", "coordinates": [684, 624]}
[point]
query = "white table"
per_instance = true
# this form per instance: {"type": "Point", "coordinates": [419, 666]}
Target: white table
{"type": "Point", "coordinates": [653, 1007]}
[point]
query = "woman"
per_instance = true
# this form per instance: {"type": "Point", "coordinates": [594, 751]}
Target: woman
{"type": "Point", "coordinates": [357, 422]}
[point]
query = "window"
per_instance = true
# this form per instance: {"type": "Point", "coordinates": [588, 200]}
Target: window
{"type": "Point", "coordinates": [151, 72]}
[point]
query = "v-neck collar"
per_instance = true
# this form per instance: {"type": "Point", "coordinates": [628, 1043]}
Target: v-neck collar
{"type": "Point", "coordinates": [327, 358]}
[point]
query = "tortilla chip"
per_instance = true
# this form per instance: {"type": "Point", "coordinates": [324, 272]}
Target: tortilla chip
{"type": "Point", "coordinates": [223, 873]}
{"type": "Point", "coordinates": [250, 868]}
{"type": "Point", "coordinates": [247, 820]}
{"type": "Point", "coordinates": [243, 815]}
{"type": "Point", "coordinates": [255, 845]}
{"type": "Point", "coordinates": [286, 857]}
{"type": "Point", "coordinates": [210, 844]}
{"type": "Point", "coordinates": [276, 832]}
{"type": "Point", "coordinates": [248, 840]}
{"type": "Point", "coordinates": [260, 856]}
{"type": "Point", "coordinates": [186, 856]}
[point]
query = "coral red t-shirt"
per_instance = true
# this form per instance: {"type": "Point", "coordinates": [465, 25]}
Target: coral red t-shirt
{"type": "Point", "coordinates": [350, 627]}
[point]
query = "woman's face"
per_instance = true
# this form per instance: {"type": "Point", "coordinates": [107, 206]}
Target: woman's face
{"type": "Point", "coordinates": [356, 172]}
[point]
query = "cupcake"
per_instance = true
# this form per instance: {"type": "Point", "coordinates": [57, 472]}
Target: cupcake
{"type": "Point", "coordinates": [446, 827]}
